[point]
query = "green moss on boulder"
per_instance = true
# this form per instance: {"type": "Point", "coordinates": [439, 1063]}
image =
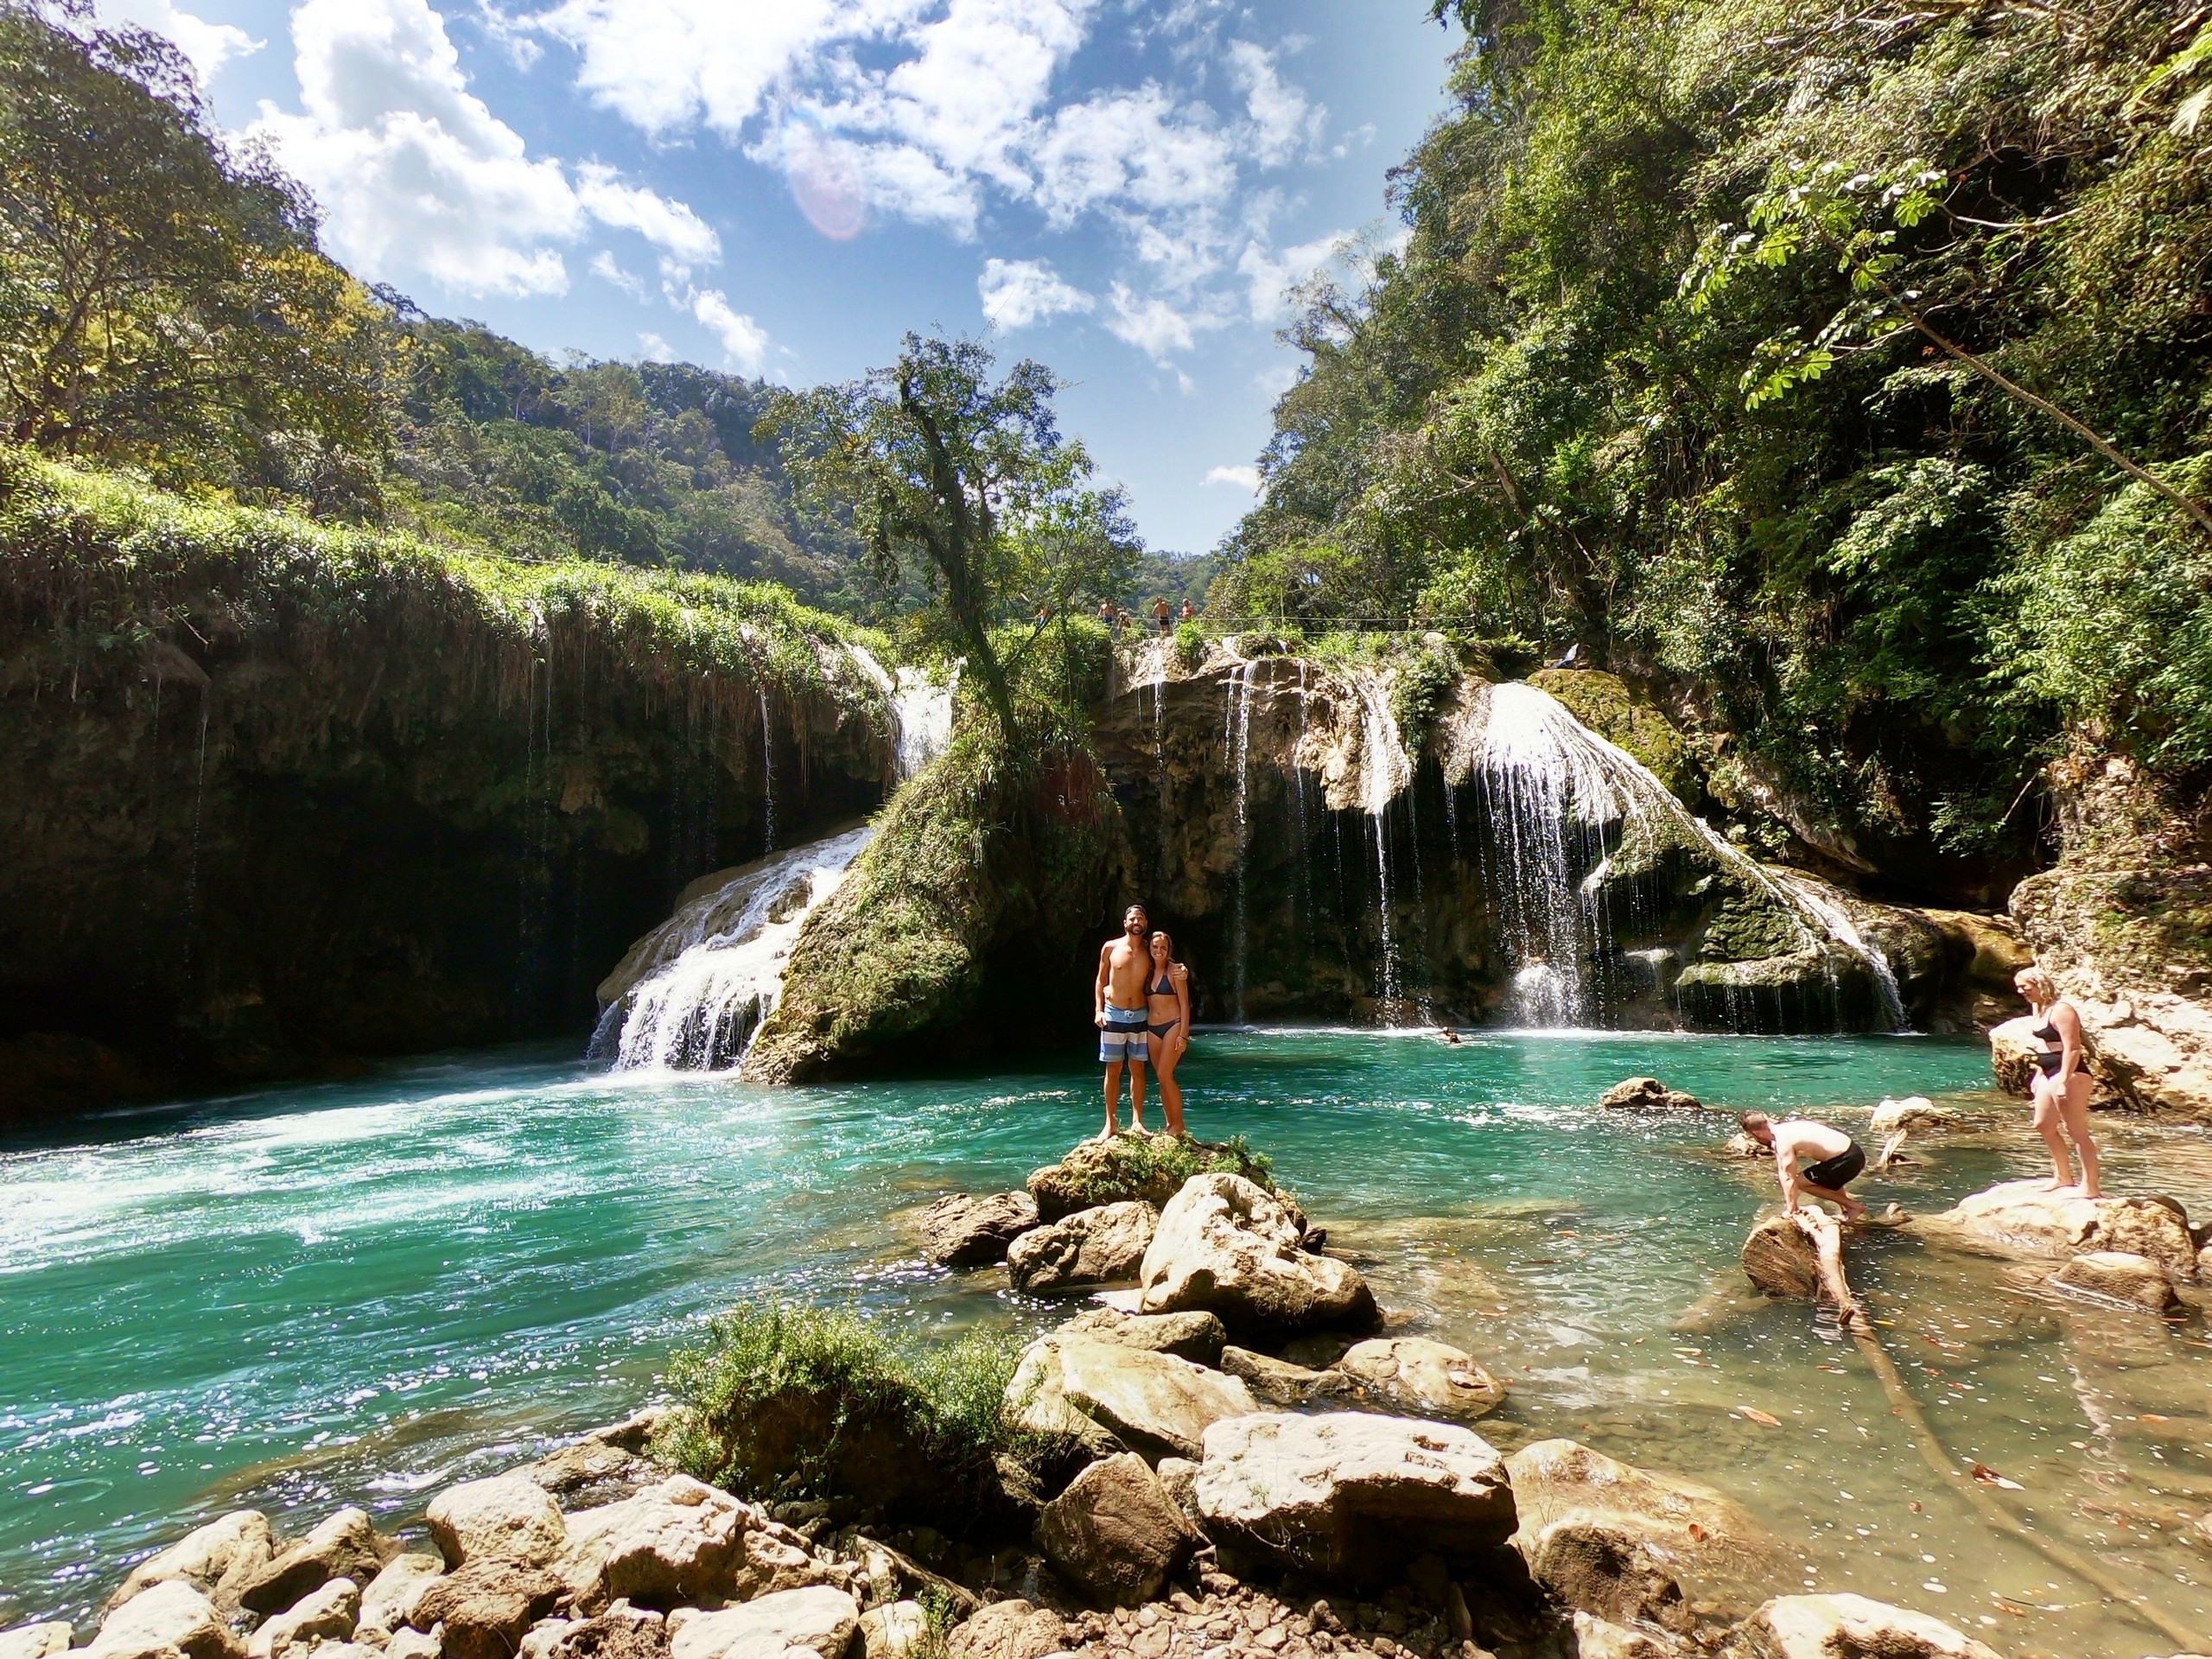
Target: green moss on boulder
{"type": "Point", "coordinates": [1604, 703]}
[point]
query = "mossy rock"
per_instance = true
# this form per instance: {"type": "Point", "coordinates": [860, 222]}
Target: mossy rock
{"type": "Point", "coordinates": [1752, 926]}
{"type": "Point", "coordinates": [1136, 1165]}
{"type": "Point", "coordinates": [1603, 703]}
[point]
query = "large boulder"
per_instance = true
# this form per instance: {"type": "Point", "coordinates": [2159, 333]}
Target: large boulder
{"type": "Point", "coordinates": [506, 1518]}
{"type": "Point", "coordinates": [1626, 1544]}
{"type": "Point", "coordinates": [1010, 1629]}
{"type": "Point", "coordinates": [345, 1546]}
{"type": "Point", "coordinates": [1144, 1402]}
{"type": "Point", "coordinates": [1198, 1338]}
{"type": "Point", "coordinates": [388, 1601]}
{"type": "Point", "coordinates": [164, 1621]}
{"type": "Point", "coordinates": [35, 1641]}
{"type": "Point", "coordinates": [821, 1619]}
{"type": "Point", "coordinates": [2027, 1219]}
{"type": "Point", "coordinates": [961, 1231]}
{"type": "Point", "coordinates": [681, 1542]}
{"type": "Point", "coordinates": [1134, 1166]}
{"type": "Point", "coordinates": [894, 1629]}
{"type": "Point", "coordinates": [2013, 1046]}
{"type": "Point", "coordinates": [216, 1560]}
{"type": "Point", "coordinates": [1229, 1247]}
{"type": "Point", "coordinates": [2116, 1276]}
{"type": "Point", "coordinates": [1101, 1246]}
{"type": "Point", "coordinates": [324, 1615]}
{"type": "Point", "coordinates": [1647, 1095]}
{"type": "Point", "coordinates": [1349, 1496]}
{"type": "Point", "coordinates": [1428, 1379]}
{"type": "Point", "coordinates": [1848, 1627]}
{"type": "Point", "coordinates": [486, 1607]}
{"type": "Point", "coordinates": [1116, 1532]}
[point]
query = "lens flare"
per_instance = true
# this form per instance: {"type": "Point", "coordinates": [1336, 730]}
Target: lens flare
{"type": "Point", "coordinates": [825, 180]}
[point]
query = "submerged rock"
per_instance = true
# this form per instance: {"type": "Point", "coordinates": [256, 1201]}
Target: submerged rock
{"type": "Point", "coordinates": [1229, 1247]}
{"type": "Point", "coordinates": [1116, 1533]}
{"type": "Point", "coordinates": [217, 1560]}
{"type": "Point", "coordinates": [1915, 1112]}
{"type": "Point", "coordinates": [963, 1231]}
{"type": "Point", "coordinates": [2117, 1276]}
{"type": "Point", "coordinates": [1101, 1246]}
{"type": "Point", "coordinates": [1348, 1495]}
{"type": "Point", "coordinates": [2028, 1218]}
{"type": "Point", "coordinates": [1848, 1627]}
{"type": "Point", "coordinates": [1645, 1095]}
{"type": "Point", "coordinates": [1278, 1382]}
{"type": "Point", "coordinates": [1423, 1377]}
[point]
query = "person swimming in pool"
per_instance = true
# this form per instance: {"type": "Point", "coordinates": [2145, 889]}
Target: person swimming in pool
{"type": "Point", "coordinates": [1118, 1010]}
{"type": "Point", "coordinates": [1167, 1029]}
{"type": "Point", "coordinates": [1837, 1160]}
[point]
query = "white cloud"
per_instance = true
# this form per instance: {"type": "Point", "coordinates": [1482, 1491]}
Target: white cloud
{"type": "Point", "coordinates": [1270, 274]}
{"type": "Point", "coordinates": [744, 341]}
{"type": "Point", "coordinates": [1283, 121]}
{"type": "Point", "coordinates": [1018, 292]}
{"type": "Point", "coordinates": [654, 349]}
{"type": "Point", "coordinates": [1153, 327]}
{"type": "Point", "coordinates": [210, 45]}
{"type": "Point", "coordinates": [415, 174]}
{"type": "Point", "coordinates": [1131, 148]}
{"type": "Point", "coordinates": [607, 269]}
{"type": "Point", "coordinates": [1244, 478]}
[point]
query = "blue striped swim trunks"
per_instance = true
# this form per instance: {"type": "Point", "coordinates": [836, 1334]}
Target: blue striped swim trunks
{"type": "Point", "coordinates": [1123, 1037]}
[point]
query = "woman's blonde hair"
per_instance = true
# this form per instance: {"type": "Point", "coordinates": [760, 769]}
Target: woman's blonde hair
{"type": "Point", "coordinates": [2034, 979]}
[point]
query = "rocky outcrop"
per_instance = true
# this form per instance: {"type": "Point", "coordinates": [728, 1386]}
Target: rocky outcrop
{"type": "Point", "coordinates": [1101, 1246]}
{"type": "Point", "coordinates": [1647, 1095]}
{"type": "Point", "coordinates": [162, 1621]}
{"type": "Point", "coordinates": [1198, 1338]}
{"type": "Point", "coordinates": [1226, 1247]}
{"type": "Point", "coordinates": [1350, 1497]}
{"type": "Point", "coordinates": [507, 1518]}
{"type": "Point", "coordinates": [1115, 1533]}
{"type": "Point", "coordinates": [1146, 1402]}
{"type": "Point", "coordinates": [1848, 1627]}
{"type": "Point", "coordinates": [2027, 1219]}
{"type": "Point", "coordinates": [821, 1620]}
{"type": "Point", "coordinates": [1424, 1378]}
{"type": "Point", "coordinates": [2115, 1276]}
{"type": "Point", "coordinates": [1136, 1167]}
{"type": "Point", "coordinates": [346, 1546]}
{"type": "Point", "coordinates": [217, 1560]}
{"type": "Point", "coordinates": [962, 1231]}
{"type": "Point", "coordinates": [2120, 922]}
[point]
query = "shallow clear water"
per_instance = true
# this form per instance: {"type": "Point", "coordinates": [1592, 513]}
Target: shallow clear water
{"type": "Point", "coordinates": [363, 1291]}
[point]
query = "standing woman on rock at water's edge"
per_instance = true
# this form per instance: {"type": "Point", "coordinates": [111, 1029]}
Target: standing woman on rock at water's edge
{"type": "Point", "coordinates": [1167, 1009]}
{"type": "Point", "coordinates": [2060, 1087]}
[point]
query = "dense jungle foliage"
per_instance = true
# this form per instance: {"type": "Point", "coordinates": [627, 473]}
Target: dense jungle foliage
{"type": "Point", "coordinates": [1793, 357]}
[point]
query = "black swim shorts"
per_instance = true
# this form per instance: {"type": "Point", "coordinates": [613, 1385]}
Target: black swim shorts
{"type": "Point", "coordinates": [1835, 1173]}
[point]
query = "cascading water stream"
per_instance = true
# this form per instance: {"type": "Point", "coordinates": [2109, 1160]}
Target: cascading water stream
{"type": "Point", "coordinates": [1385, 768]}
{"type": "Point", "coordinates": [702, 982]}
{"type": "Point", "coordinates": [921, 710]}
{"type": "Point", "coordinates": [1845, 933]}
{"type": "Point", "coordinates": [767, 772]}
{"type": "Point", "coordinates": [1240, 719]}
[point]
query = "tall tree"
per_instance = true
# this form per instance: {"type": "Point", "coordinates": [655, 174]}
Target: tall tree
{"type": "Point", "coordinates": [162, 299]}
{"type": "Point", "coordinates": [936, 464]}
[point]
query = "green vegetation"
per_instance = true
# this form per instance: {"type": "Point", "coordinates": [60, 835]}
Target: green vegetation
{"type": "Point", "coordinates": [1603, 703]}
{"type": "Point", "coordinates": [787, 1401]}
{"type": "Point", "coordinates": [1845, 370]}
{"type": "Point", "coordinates": [1155, 1166]}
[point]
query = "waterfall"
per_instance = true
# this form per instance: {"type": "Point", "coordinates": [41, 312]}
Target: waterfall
{"type": "Point", "coordinates": [921, 709]}
{"type": "Point", "coordinates": [1239, 722]}
{"type": "Point", "coordinates": [767, 771]}
{"type": "Point", "coordinates": [1385, 768]}
{"type": "Point", "coordinates": [1845, 933]}
{"type": "Point", "coordinates": [697, 987]}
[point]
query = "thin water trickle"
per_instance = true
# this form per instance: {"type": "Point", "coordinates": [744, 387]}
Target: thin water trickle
{"type": "Point", "coordinates": [1240, 692]}
{"type": "Point", "coordinates": [767, 773]}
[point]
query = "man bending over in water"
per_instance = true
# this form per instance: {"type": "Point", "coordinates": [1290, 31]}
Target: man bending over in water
{"type": "Point", "coordinates": [1118, 1011]}
{"type": "Point", "coordinates": [1837, 1160]}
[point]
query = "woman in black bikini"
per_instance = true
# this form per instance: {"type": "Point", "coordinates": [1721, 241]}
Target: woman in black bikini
{"type": "Point", "coordinates": [2060, 1087]}
{"type": "Point", "coordinates": [1168, 1006]}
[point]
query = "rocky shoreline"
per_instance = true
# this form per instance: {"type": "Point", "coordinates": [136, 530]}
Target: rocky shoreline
{"type": "Point", "coordinates": [1226, 1452]}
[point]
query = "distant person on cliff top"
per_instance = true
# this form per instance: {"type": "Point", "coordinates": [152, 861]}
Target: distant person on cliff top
{"type": "Point", "coordinates": [1164, 614]}
{"type": "Point", "coordinates": [1837, 1160]}
{"type": "Point", "coordinates": [2061, 1086]}
{"type": "Point", "coordinates": [1118, 1009]}
{"type": "Point", "coordinates": [1167, 1028]}
{"type": "Point", "coordinates": [1190, 612]}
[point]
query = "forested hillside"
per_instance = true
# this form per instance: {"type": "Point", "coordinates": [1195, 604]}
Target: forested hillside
{"type": "Point", "coordinates": [1837, 373]}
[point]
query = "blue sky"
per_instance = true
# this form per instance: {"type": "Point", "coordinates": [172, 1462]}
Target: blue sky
{"type": "Point", "coordinates": [1124, 188]}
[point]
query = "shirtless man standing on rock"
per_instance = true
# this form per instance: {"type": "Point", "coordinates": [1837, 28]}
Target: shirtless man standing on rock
{"type": "Point", "coordinates": [1837, 1160]}
{"type": "Point", "coordinates": [1118, 1010]}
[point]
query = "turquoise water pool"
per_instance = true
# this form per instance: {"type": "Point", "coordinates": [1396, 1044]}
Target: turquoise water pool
{"type": "Point", "coordinates": [362, 1290]}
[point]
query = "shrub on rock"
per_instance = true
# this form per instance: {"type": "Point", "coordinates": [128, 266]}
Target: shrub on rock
{"type": "Point", "coordinates": [1350, 1497]}
{"type": "Point", "coordinates": [1116, 1532]}
{"type": "Point", "coordinates": [1228, 1247]}
{"type": "Point", "coordinates": [1137, 1167]}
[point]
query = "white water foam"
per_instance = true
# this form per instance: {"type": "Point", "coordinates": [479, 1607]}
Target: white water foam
{"type": "Point", "coordinates": [921, 709]}
{"type": "Point", "coordinates": [716, 969]}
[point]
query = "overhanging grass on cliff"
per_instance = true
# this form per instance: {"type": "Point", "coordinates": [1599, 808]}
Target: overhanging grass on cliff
{"type": "Point", "coordinates": [106, 572]}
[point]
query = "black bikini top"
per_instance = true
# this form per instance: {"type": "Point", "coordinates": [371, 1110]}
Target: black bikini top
{"type": "Point", "coordinates": [1165, 987]}
{"type": "Point", "coordinates": [2048, 1033]}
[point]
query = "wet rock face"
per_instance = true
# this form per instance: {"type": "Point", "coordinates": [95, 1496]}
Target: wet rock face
{"type": "Point", "coordinates": [1309, 858]}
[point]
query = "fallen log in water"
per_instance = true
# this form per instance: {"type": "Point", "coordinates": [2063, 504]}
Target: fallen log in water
{"type": "Point", "coordinates": [1798, 1256]}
